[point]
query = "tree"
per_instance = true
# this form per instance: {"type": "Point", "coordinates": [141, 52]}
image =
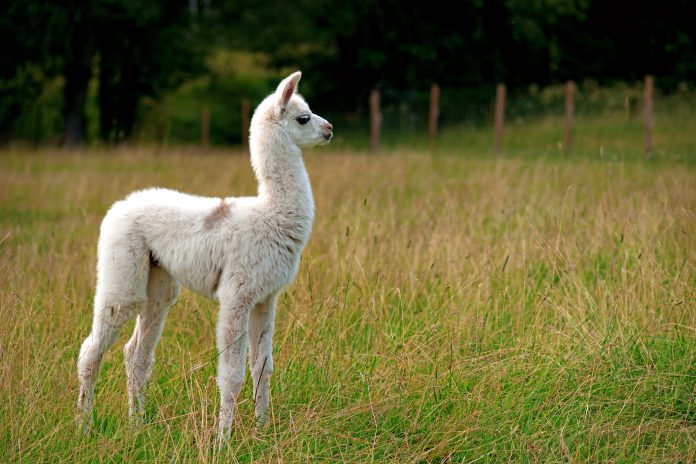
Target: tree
{"type": "Point", "coordinates": [136, 48]}
{"type": "Point", "coordinates": [142, 48]}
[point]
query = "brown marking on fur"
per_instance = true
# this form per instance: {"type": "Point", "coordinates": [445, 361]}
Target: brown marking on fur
{"type": "Point", "coordinates": [217, 215]}
{"type": "Point", "coordinates": [216, 282]}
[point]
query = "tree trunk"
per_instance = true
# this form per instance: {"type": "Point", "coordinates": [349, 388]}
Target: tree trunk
{"type": "Point", "coordinates": [78, 70]}
{"type": "Point", "coordinates": [118, 94]}
{"type": "Point", "coordinates": [107, 116]}
{"type": "Point", "coordinates": [128, 100]}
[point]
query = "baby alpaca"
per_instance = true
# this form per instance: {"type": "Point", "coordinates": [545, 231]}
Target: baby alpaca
{"type": "Point", "coordinates": [241, 251]}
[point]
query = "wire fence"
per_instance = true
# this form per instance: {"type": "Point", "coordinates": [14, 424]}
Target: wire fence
{"type": "Point", "coordinates": [433, 116]}
{"type": "Point", "coordinates": [411, 117]}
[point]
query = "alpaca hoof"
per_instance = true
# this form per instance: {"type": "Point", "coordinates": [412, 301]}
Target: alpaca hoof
{"type": "Point", "coordinates": [84, 424]}
{"type": "Point", "coordinates": [259, 430]}
{"type": "Point", "coordinates": [223, 437]}
{"type": "Point", "coordinates": [261, 422]}
{"type": "Point", "coordinates": [135, 421]}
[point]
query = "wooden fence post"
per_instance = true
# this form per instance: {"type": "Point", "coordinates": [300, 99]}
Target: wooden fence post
{"type": "Point", "coordinates": [433, 114]}
{"type": "Point", "coordinates": [205, 126]}
{"type": "Point", "coordinates": [375, 121]}
{"type": "Point", "coordinates": [648, 105]}
{"type": "Point", "coordinates": [499, 118]}
{"type": "Point", "coordinates": [245, 125]}
{"type": "Point", "coordinates": [569, 114]}
{"type": "Point", "coordinates": [627, 107]}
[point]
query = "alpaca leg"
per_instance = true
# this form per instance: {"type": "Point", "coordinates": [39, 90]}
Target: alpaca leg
{"type": "Point", "coordinates": [232, 343]}
{"type": "Point", "coordinates": [121, 293]}
{"type": "Point", "coordinates": [139, 352]}
{"type": "Point", "coordinates": [109, 317]}
{"type": "Point", "coordinates": [261, 324]}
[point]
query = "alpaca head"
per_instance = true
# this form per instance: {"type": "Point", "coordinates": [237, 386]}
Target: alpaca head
{"type": "Point", "coordinates": [285, 117]}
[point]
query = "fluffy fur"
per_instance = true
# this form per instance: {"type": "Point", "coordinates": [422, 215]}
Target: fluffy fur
{"type": "Point", "coordinates": [241, 251]}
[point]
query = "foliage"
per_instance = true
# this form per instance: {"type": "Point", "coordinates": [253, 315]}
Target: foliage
{"type": "Point", "coordinates": [232, 77]}
{"type": "Point", "coordinates": [134, 49]}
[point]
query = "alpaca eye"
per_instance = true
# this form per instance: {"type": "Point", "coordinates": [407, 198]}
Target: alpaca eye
{"type": "Point", "coordinates": [304, 119]}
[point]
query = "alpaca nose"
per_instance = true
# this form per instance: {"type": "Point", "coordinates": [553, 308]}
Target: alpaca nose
{"type": "Point", "coordinates": [327, 130]}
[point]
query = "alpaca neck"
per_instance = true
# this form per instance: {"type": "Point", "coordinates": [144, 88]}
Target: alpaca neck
{"type": "Point", "coordinates": [283, 180]}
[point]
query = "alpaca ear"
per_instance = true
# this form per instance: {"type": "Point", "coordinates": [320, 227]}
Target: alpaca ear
{"type": "Point", "coordinates": [286, 88]}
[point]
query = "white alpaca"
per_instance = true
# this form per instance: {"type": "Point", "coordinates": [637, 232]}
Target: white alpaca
{"type": "Point", "coordinates": [242, 251]}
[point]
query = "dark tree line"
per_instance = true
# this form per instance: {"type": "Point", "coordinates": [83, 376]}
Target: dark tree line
{"type": "Point", "coordinates": [136, 49]}
{"type": "Point", "coordinates": [133, 48]}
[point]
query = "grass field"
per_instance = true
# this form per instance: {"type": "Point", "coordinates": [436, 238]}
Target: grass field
{"type": "Point", "coordinates": [448, 309]}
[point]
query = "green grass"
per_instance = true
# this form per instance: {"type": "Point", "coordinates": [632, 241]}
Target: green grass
{"type": "Point", "coordinates": [448, 309]}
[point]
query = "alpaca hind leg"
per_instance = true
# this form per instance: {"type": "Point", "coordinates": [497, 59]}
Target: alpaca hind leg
{"type": "Point", "coordinates": [121, 293]}
{"type": "Point", "coordinates": [108, 320]}
{"type": "Point", "coordinates": [139, 352]}
{"type": "Point", "coordinates": [232, 344]}
{"type": "Point", "coordinates": [261, 324]}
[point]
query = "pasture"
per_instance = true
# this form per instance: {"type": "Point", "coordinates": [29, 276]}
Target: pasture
{"type": "Point", "coordinates": [447, 309]}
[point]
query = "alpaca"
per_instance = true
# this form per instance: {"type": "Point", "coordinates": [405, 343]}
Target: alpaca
{"type": "Point", "coordinates": [242, 251]}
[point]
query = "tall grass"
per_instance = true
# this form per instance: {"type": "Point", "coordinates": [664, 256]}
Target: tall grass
{"type": "Point", "coordinates": [447, 309]}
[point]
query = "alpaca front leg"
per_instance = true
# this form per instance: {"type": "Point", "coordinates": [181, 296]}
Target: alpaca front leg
{"type": "Point", "coordinates": [232, 343]}
{"type": "Point", "coordinates": [261, 324]}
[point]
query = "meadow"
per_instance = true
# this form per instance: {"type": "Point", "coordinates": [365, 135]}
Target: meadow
{"type": "Point", "coordinates": [448, 308]}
